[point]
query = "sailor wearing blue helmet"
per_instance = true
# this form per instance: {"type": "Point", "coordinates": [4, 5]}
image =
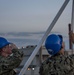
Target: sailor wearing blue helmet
{"type": "Point", "coordinates": [10, 57]}
{"type": "Point", "coordinates": [58, 63]}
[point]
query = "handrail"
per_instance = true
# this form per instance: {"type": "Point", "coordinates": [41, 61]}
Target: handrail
{"type": "Point", "coordinates": [43, 38]}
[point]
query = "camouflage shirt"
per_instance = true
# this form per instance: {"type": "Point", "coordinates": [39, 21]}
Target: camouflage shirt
{"type": "Point", "coordinates": [58, 65]}
{"type": "Point", "coordinates": [7, 64]}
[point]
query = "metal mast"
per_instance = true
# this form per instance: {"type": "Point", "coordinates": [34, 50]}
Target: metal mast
{"type": "Point", "coordinates": [72, 21]}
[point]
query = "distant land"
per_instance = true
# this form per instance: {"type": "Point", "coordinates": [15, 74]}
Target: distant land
{"type": "Point", "coordinates": [17, 34]}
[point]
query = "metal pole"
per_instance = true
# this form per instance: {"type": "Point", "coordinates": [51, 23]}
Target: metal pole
{"type": "Point", "coordinates": [43, 38]}
{"type": "Point", "coordinates": [72, 19]}
{"type": "Point", "coordinates": [40, 55]}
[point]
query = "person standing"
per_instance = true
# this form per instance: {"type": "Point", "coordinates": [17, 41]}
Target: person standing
{"type": "Point", "coordinates": [58, 63]}
{"type": "Point", "coordinates": [10, 57]}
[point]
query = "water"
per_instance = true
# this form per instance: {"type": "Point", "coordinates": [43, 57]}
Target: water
{"type": "Point", "coordinates": [24, 40]}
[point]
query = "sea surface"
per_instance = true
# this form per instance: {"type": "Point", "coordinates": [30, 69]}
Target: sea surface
{"type": "Point", "coordinates": [23, 39]}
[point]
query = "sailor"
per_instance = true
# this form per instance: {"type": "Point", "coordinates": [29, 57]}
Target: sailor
{"type": "Point", "coordinates": [58, 63]}
{"type": "Point", "coordinates": [10, 57]}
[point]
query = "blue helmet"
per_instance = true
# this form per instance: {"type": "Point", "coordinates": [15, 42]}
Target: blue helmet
{"type": "Point", "coordinates": [3, 42]}
{"type": "Point", "coordinates": [53, 43]}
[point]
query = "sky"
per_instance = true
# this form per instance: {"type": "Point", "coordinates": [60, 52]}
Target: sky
{"type": "Point", "coordinates": [33, 15]}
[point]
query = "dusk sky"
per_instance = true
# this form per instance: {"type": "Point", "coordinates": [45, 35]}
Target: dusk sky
{"type": "Point", "coordinates": [33, 15]}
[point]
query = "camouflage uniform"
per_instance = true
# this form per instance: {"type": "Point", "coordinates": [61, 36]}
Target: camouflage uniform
{"type": "Point", "coordinates": [58, 65]}
{"type": "Point", "coordinates": [72, 63]}
{"type": "Point", "coordinates": [7, 64]}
